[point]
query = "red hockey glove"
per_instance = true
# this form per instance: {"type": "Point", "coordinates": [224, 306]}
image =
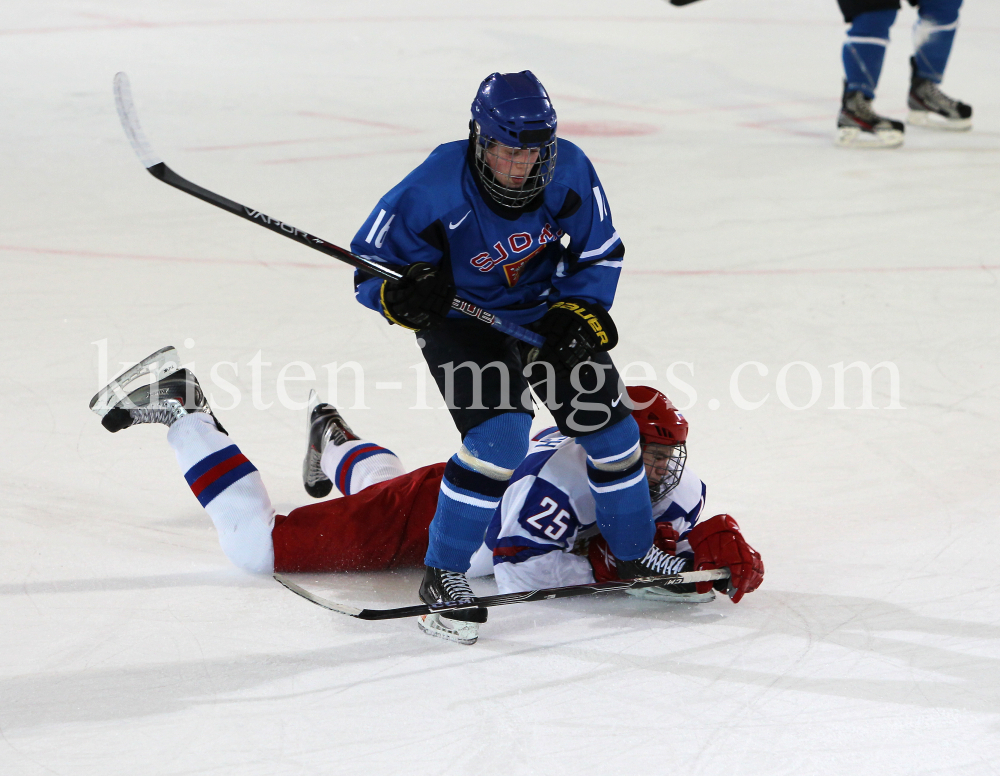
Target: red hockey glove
{"type": "Point", "coordinates": [420, 299]}
{"type": "Point", "coordinates": [718, 543]}
{"type": "Point", "coordinates": [604, 562]}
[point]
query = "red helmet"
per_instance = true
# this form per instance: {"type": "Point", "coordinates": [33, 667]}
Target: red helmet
{"type": "Point", "coordinates": [663, 432]}
{"type": "Point", "coordinates": [659, 421]}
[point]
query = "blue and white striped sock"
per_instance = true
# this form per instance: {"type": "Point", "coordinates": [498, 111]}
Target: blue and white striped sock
{"type": "Point", "coordinates": [864, 50]}
{"type": "Point", "coordinates": [475, 479]}
{"type": "Point", "coordinates": [621, 492]}
{"type": "Point", "coordinates": [933, 35]}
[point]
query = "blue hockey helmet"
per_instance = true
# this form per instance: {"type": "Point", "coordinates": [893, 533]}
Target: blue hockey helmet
{"type": "Point", "coordinates": [514, 134]}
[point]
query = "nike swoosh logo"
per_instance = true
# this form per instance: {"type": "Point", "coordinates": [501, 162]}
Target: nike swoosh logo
{"type": "Point", "coordinates": [615, 402]}
{"type": "Point", "coordinates": [455, 226]}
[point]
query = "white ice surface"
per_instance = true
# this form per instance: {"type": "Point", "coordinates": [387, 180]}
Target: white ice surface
{"type": "Point", "coordinates": [128, 645]}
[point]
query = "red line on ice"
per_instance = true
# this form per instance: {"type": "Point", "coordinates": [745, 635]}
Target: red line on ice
{"type": "Point", "coordinates": [266, 143]}
{"type": "Point", "coordinates": [135, 24]}
{"type": "Point", "coordinates": [665, 19]}
{"type": "Point", "coordinates": [684, 111]}
{"type": "Point", "coordinates": [144, 257]}
{"type": "Point", "coordinates": [809, 270]}
{"type": "Point", "coordinates": [633, 271]}
{"type": "Point", "coordinates": [352, 155]}
{"type": "Point", "coordinates": [353, 120]}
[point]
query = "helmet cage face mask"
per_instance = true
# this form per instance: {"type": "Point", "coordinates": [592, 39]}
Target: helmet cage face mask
{"type": "Point", "coordinates": [512, 161]}
{"type": "Point", "coordinates": [666, 462]}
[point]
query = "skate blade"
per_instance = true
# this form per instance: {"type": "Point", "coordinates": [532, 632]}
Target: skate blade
{"type": "Point", "coordinates": [664, 596]}
{"type": "Point", "coordinates": [853, 137]}
{"type": "Point", "coordinates": [163, 362]}
{"type": "Point", "coordinates": [458, 631]}
{"type": "Point", "coordinates": [925, 118]}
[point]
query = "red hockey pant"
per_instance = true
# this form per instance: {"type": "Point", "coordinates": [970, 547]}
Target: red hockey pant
{"type": "Point", "coordinates": [382, 527]}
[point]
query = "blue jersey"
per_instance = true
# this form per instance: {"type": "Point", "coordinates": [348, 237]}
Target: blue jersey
{"type": "Point", "coordinates": [548, 507]}
{"type": "Point", "coordinates": [513, 262]}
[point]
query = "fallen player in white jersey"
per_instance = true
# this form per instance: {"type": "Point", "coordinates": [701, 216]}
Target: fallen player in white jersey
{"type": "Point", "coordinates": [543, 533]}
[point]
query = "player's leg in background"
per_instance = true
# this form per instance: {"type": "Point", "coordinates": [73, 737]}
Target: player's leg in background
{"type": "Point", "coordinates": [230, 489]}
{"type": "Point", "coordinates": [858, 125]}
{"type": "Point", "coordinates": [864, 50]}
{"type": "Point", "coordinates": [933, 36]}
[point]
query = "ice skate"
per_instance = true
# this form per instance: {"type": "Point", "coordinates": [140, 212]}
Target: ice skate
{"type": "Point", "coordinates": [170, 396]}
{"type": "Point", "coordinates": [326, 425]}
{"type": "Point", "coordinates": [657, 563]}
{"type": "Point", "coordinates": [858, 126]}
{"type": "Point", "coordinates": [439, 586]}
{"type": "Point", "coordinates": [674, 594]}
{"type": "Point", "coordinates": [930, 107]}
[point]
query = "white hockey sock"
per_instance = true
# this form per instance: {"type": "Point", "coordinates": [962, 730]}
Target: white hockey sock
{"type": "Point", "coordinates": [355, 465]}
{"type": "Point", "coordinates": [230, 489]}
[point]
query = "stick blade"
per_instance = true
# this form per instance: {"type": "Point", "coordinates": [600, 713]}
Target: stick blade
{"type": "Point", "coordinates": [130, 122]}
{"type": "Point", "coordinates": [319, 601]}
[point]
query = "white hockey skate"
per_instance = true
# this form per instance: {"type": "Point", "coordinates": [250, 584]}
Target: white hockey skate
{"type": "Point", "coordinates": [163, 362]}
{"type": "Point", "coordinates": [169, 395]}
{"type": "Point", "coordinates": [657, 562]}
{"type": "Point", "coordinates": [466, 633]}
{"type": "Point", "coordinates": [438, 586]}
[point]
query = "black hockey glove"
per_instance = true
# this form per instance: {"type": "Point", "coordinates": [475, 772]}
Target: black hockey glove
{"type": "Point", "coordinates": [574, 331]}
{"type": "Point", "coordinates": [420, 299]}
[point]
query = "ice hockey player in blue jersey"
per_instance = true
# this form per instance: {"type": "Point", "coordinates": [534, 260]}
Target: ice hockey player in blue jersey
{"type": "Point", "coordinates": [516, 221]}
{"type": "Point", "coordinates": [858, 125]}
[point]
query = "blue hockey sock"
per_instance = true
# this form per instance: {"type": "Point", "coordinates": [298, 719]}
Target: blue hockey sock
{"type": "Point", "coordinates": [933, 35]}
{"type": "Point", "coordinates": [864, 50]}
{"type": "Point", "coordinates": [475, 479]}
{"type": "Point", "coordinates": [621, 491]}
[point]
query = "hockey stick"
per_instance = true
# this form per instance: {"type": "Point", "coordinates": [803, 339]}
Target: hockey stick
{"type": "Point", "coordinates": [158, 169]}
{"type": "Point", "coordinates": [504, 599]}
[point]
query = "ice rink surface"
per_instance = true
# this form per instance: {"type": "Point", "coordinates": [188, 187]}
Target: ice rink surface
{"type": "Point", "coordinates": [129, 645]}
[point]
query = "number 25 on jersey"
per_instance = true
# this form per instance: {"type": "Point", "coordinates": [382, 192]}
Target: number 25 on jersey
{"type": "Point", "coordinates": [549, 522]}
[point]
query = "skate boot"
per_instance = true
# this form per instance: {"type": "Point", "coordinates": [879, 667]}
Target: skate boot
{"type": "Point", "coordinates": [858, 126]}
{"type": "Point", "coordinates": [325, 426]}
{"type": "Point", "coordinates": [657, 563]}
{"type": "Point", "coordinates": [930, 107]}
{"type": "Point", "coordinates": [165, 401]}
{"type": "Point", "coordinates": [439, 586]}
